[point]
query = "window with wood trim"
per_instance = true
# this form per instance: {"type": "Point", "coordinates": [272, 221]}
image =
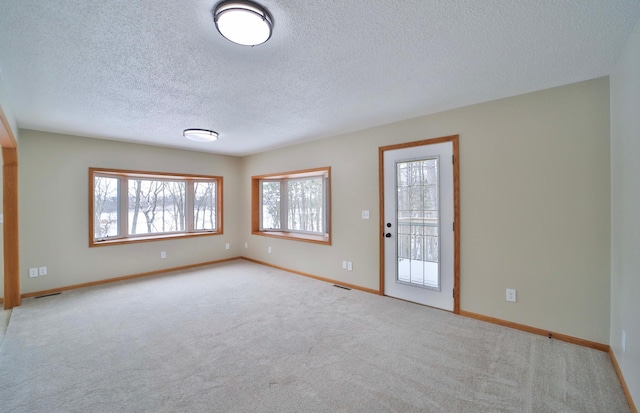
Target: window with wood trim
{"type": "Point", "coordinates": [133, 206]}
{"type": "Point", "coordinates": [293, 205]}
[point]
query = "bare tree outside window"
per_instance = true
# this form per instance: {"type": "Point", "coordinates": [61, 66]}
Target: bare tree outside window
{"type": "Point", "coordinates": [305, 205]}
{"type": "Point", "coordinates": [303, 208]}
{"type": "Point", "coordinates": [204, 206]}
{"type": "Point", "coordinates": [161, 203]}
{"type": "Point", "coordinates": [417, 183]}
{"type": "Point", "coordinates": [133, 206]}
{"type": "Point", "coordinates": [293, 205]}
{"type": "Point", "coordinates": [176, 210]}
{"type": "Point", "coordinates": [105, 207]}
{"type": "Point", "coordinates": [271, 205]}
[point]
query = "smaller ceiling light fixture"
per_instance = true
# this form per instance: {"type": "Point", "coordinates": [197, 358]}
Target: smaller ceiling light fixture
{"type": "Point", "coordinates": [243, 22]}
{"type": "Point", "coordinates": [200, 135]}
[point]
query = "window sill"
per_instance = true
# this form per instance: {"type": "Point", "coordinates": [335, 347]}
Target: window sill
{"type": "Point", "coordinates": [148, 238]}
{"type": "Point", "coordinates": [316, 239]}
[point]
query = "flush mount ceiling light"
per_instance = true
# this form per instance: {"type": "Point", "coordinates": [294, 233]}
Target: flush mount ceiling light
{"type": "Point", "coordinates": [243, 22]}
{"type": "Point", "coordinates": [200, 135]}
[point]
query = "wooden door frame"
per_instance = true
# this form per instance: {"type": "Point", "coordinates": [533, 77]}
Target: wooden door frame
{"type": "Point", "coordinates": [454, 139]}
{"type": "Point", "coordinates": [10, 211]}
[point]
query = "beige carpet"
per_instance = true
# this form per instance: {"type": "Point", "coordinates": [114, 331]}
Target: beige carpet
{"type": "Point", "coordinates": [4, 322]}
{"type": "Point", "coordinates": [240, 337]}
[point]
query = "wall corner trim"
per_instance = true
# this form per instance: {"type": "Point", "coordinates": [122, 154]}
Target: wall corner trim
{"type": "Point", "coordinates": [627, 393]}
{"type": "Point", "coordinates": [7, 135]}
{"type": "Point", "coordinates": [11, 229]}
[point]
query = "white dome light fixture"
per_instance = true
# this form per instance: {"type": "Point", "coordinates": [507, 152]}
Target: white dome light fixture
{"type": "Point", "coordinates": [243, 22]}
{"type": "Point", "coordinates": [200, 135]}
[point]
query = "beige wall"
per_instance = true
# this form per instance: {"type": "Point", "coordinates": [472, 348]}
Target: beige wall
{"type": "Point", "coordinates": [54, 209]}
{"type": "Point", "coordinates": [534, 190]}
{"type": "Point", "coordinates": [535, 204]}
{"type": "Point", "coordinates": [625, 208]}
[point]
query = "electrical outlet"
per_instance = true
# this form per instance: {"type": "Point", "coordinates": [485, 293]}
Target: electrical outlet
{"type": "Point", "coordinates": [344, 265]}
{"type": "Point", "coordinates": [246, 245]}
{"type": "Point", "coordinates": [42, 271]}
{"type": "Point", "coordinates": [349, 266]}
{"type": "Point", "coordinates": [163, 254]}
{"type": "Point", "coordinates": [269, 250]}
{"type": "Point", "coordinates": [33, 272]}
{"type": "Point", "coordinates": [623, 341]}
{"type": "Point", "coordinates": [511, 295]}
{"type": "Point", "coordinates": [365, 214]}
{"type": "Point", "coordinates": [226, 246]}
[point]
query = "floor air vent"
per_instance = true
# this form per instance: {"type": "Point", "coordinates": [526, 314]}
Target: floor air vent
{"type": "Point", "coordinates": [47, 295]}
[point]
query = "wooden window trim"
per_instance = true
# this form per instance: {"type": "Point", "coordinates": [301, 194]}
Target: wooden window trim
{"type": "Point", "coordinates": [294, 236]}
{"type": "Point", "coordinates": [159, 176]}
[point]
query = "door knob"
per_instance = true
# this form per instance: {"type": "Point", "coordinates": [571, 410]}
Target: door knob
{"type": "Point", "coordinates": [388, 224]}
{"type": "Point", "coordinates": [388, 235]}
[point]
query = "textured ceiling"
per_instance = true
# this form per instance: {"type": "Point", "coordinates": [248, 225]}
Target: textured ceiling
{"type": "Point", "coordinates": [142, 71]}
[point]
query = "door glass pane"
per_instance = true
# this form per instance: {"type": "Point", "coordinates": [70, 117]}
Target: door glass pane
{"type": "Point", "coordinates": [418, 223]}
